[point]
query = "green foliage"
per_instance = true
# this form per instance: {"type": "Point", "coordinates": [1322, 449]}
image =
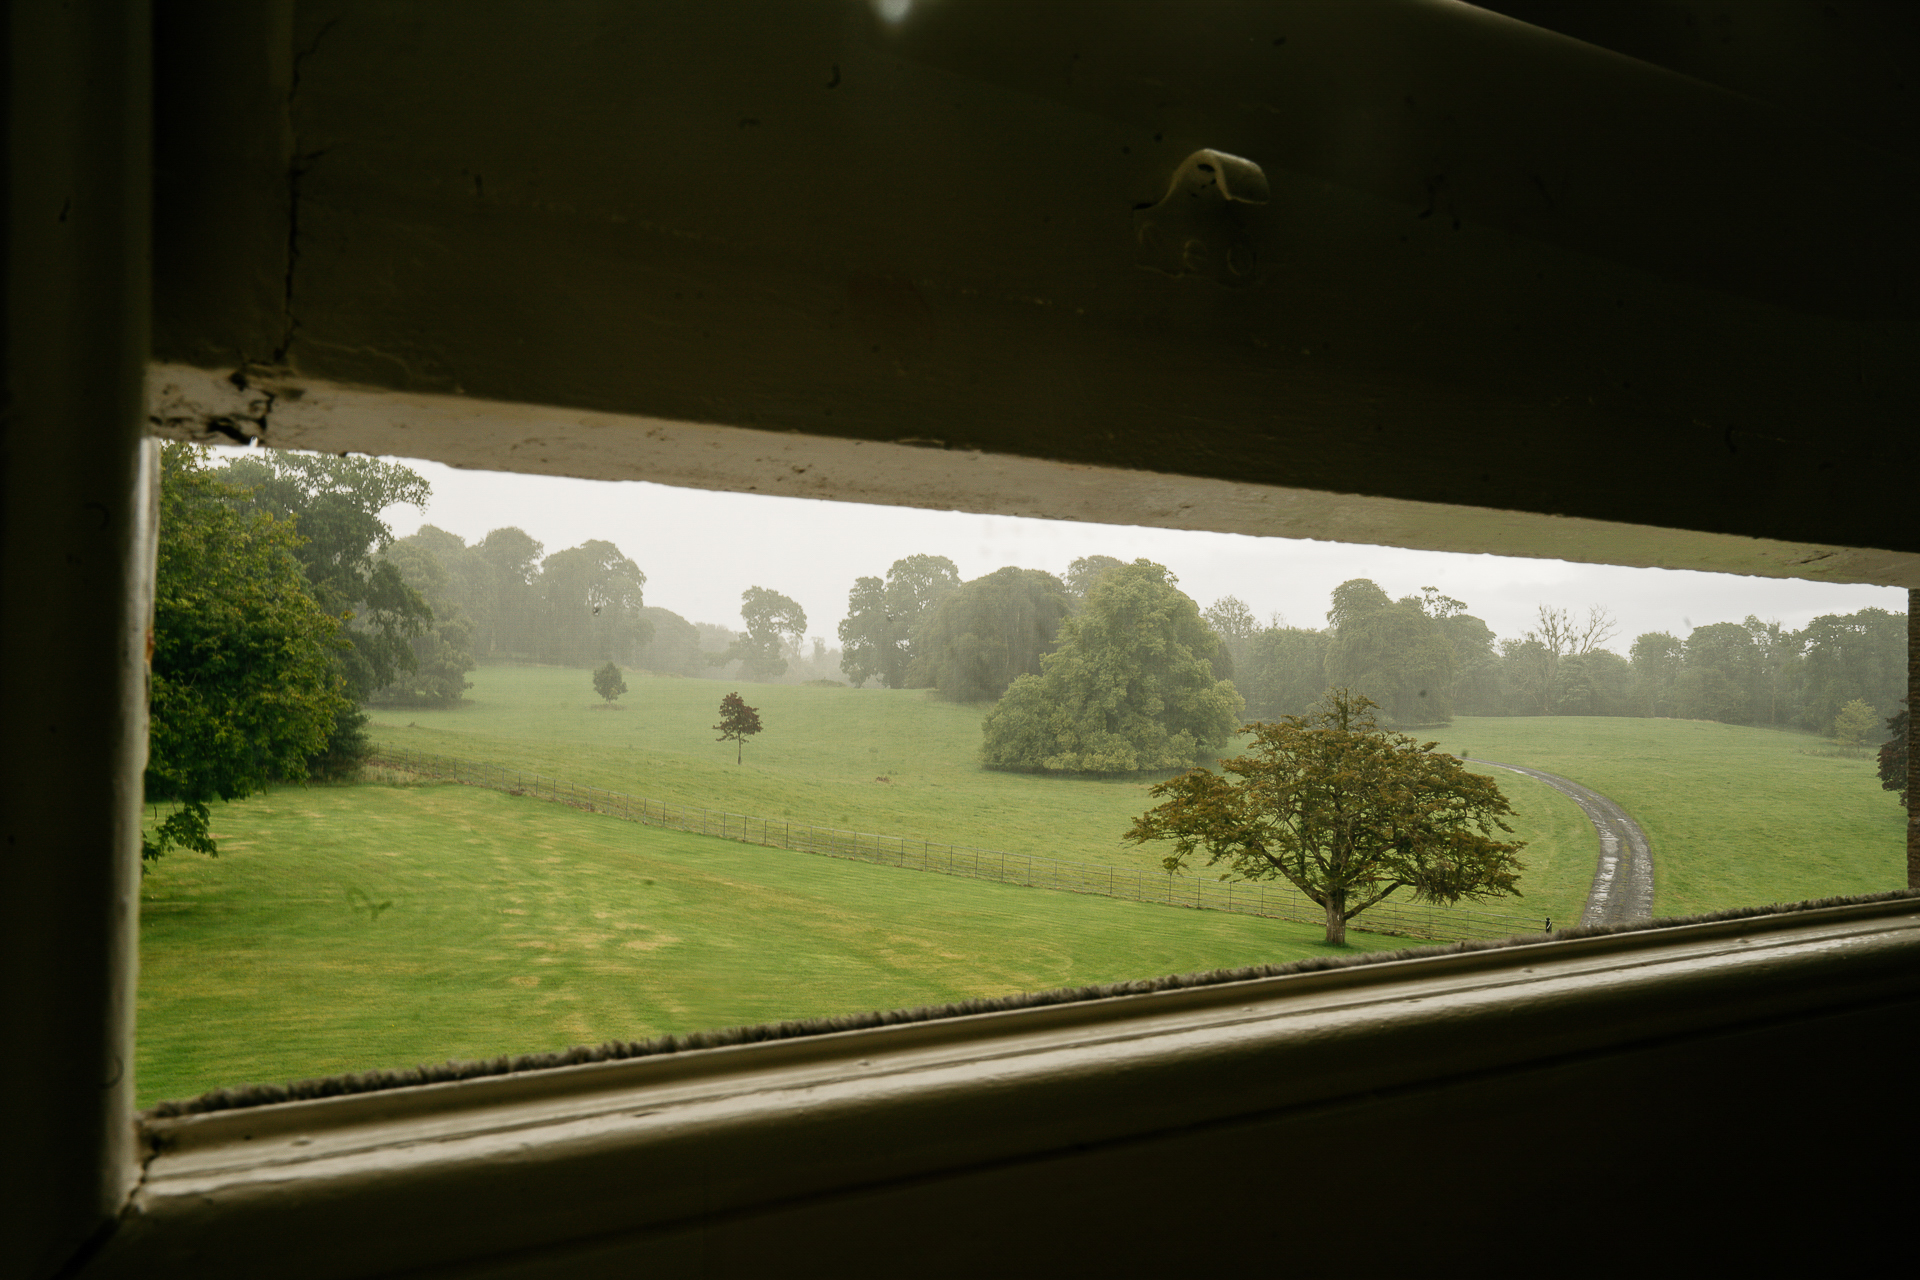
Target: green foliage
{"type": "Point", "coordinates": [1539, 663]}
{"type": "Point", "coordinates": [243, 685]}
{"type": "Point", "coordinates": [590, 600]}
{"type": "Point", "coordinates": [1346, 813]}
{"type": "Point", "coordinates": [1656, 658]}
{"type": "Point", "coordinates": [877, 636]}
{"type": "Point", "coordinates": [1231, 620]}
{"type": "Point", "coordinates": [1394, 653]}
{"type": "Point", "coordinates": [335, 505]}
{"type": "Point", "coordinates": [774, 623]}
{"type": "Point", "coordinates": [607, 682]}
{"type": "Point", "coordinates": [738, 722]}
{"type": "Point", "coordinates": [1859, 655]}
{"type": "Point", "coordinates": [1131, 687]}
{"type": "Point", "coordinates": [1476, 663]}
{"type": "Point", "coordinates": [1893, 754]}
{"type": "Point", "coordinates": [513, 623]}
{"type": "Point", "coordinates": [1084, 574]}
{"type": "Point", "coordinates": [1853, 722]}
{"type": "Point", "coordinates": [987, 632]}
{"type": "Point", "coordinates": [673, 648]}
{"type": "Point", "coordinates": [443, 656]}
{"type": "Point", "coordinates": [1285, 672]}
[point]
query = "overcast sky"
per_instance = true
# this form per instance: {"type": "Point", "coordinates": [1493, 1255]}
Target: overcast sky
{"type": "Point", "coordinates": [700, 550]}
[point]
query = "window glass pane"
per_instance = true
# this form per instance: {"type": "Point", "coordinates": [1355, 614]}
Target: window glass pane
{"type": "Point", "coordinates": [642, 761]}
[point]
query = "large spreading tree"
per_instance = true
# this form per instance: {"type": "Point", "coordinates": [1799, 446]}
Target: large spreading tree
{"type": "Point", "coordinates": [1346, 813]}
{"type": "Point", "coordinates": [1130, 689]}
{"type": "Point", "coordinates": [244, 687]}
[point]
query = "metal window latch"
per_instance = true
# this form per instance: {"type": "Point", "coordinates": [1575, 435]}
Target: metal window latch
{"type": "Point", "coordinates": [1199, 227]}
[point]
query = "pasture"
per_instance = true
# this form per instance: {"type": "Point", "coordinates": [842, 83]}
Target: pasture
{"type": "Point", "coordinates": [1736, 816]}
{"type": "Point", "coordinates": [353, 927]}
{"type": "Point", "coordinates": [347, 928]}
{"type": "Point", "coordinates": [823, 752]}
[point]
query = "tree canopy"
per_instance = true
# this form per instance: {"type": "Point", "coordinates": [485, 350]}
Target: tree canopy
{"type": "Point", "coordinates": [607, 682]}
{"type": "Point", "coordinates": [1893, 754]}
{"type": "Point", "coordinates": [1130, 688]}
{"type": "Point", "coordinates": [1393, 652]}
{"type": "Point", "coordinates": [986, 632]}
{"type": "Point", "coordinates": [243, 685]}
{"type": "Point", "coordinates": [1347, 813]}
{"type": "Point", "coordinates": [774, 623]}
{"type": "Point", "coordinates": [442, 656]}
{"type": "Point", "coordinates": [336, 505]}
{"type": "Point", "coordinates": [877, 637]}
{"type": "Point", "coordinates": [591, 599]}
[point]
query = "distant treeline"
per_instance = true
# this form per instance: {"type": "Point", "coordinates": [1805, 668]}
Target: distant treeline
{"type": "Point", "coordinates": [503, 599]}
{"type": "Point", "coordinates": [1422, 657]}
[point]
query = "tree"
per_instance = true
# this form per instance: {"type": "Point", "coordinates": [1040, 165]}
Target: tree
{"type": "Point", "coordinates": [1535, 664]}
{"type": "Point", "coordinates": [1656, 658]}
{"type": "Point", "coordinates": [1234, 623]}
{"type": "Point", "coordinates": [336, 505]}
{"type": "Point", "coordinates": [877, 636]}
{"type": "Point", "coordinates": [738, 722]}
{"type": "Point", "coordinates": [608, 684]}
{"type": "Point", "coordinates": [1853, 723]}
{"type": "Point", "coordinates": [674, 648]}
{"type": "Point", "coordinates": [979, 638]}
{"type": "Point", "coordinates": [1130, 688]}
{"type": "Point", "coordinates": [1392, 652]}
{"type": "Point", "coordinates": [1085, 573]}
{"type": "Point", "coordinates": [1893, 754]}
{"type": "Point", "coordinates": [774, 622]}
{"type": "Point", "coordinates": [1286, 671]}
{"type": "Point", "coordinates": [1857, 655]}
{"type": "Point", "coordinates": [590, 598]}
{"type": "Point", "coordinates": [243, 684]}
{"type": "Point", "coordinates": [512, 557]}
{"type": "Point", "coordinates": [1345, 812]}
{"type": "Point", "coordinates": [443, 656]}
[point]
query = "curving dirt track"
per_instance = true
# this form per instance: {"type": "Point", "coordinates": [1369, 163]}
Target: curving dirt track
{"type": "Point", "coordinates": [1623, 880]}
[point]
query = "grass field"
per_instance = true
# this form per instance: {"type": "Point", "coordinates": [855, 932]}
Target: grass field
{"type": "Point", "coordinates": [1736, 816]}
{"type": "Point", "coordinates": [348, 928]}
{"type": "Point", "coordinates": [823, 749]}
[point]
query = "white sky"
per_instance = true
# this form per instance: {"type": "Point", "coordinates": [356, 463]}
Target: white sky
{"type": "Point", "coordinates": [700, 550]}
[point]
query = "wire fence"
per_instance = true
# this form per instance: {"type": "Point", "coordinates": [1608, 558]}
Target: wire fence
{"type": "Point", "coordinates": [1274, 900]}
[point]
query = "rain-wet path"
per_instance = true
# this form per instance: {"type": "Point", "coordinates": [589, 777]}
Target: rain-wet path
{"type": "Point", "coordinates": [1622, 891]}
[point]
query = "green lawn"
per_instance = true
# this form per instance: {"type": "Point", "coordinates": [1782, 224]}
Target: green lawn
{"type": "Point", "coordinates": [823, 750]}
{"type": "Point", "coordinates": [1736, 816]}
{"type": "Point", "coordinates": [348, 928]}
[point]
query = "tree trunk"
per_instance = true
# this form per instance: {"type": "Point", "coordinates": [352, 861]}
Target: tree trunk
{"type": "Point", "coordinates": [1336, 919]}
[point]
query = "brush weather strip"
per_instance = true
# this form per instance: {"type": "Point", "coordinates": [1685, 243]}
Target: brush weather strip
{"type": "Point", "coordinates": [1274, 900]}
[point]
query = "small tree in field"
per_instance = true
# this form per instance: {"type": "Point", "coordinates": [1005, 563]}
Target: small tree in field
{"type": "Point", "coordinates": [1854, 723]}
{"type": "Point", "coordinates": [608, 684]}
{"type": "Point", "coordinates": [1347, 813]}
{"type": "Point", "coordinates": [737, 722]}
